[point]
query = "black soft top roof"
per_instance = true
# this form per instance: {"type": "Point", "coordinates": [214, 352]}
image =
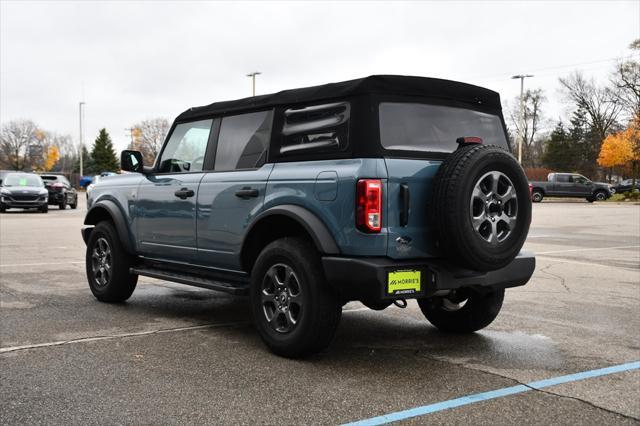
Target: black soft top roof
{"type": "Point", "coordinates": [375, 84]}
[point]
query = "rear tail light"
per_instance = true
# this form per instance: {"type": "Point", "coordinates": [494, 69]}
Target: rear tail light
{"type": "Point", "coordinates": [57, 185]}
{"type": "Point", "coordinates": [369, 205]}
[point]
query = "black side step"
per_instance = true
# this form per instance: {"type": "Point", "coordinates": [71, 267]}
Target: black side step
{"type": "Point", "coordinates": [240, 289]}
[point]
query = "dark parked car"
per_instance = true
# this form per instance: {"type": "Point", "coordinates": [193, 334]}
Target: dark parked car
{"type": "Point", "coordinates": [571, 185]}
{"type": "Point", "coordinates": [380, 189]}
{"type": "Point", "coordinates": [60, 190]}
{"type": "Point", "coordinates": [625, 185]}
{"type": "Point", "coordinates": [22, 191]}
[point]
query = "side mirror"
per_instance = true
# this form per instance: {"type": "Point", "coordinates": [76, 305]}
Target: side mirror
{"type": "Point", "coordinates": [131, 161]}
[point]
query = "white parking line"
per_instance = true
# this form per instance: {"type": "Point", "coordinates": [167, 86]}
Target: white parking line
{"type": "Point", "coordinates": [586, 249]}
{"type": "Point", "coordinates": [575, 262]}
{"type": "Point", "coordinates": [11, 265]}
{"type": "Point", "coordinates": [116, 336]}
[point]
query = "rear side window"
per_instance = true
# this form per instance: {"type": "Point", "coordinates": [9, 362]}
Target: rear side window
{"type": "Point", "coordinates": [243, 141]}
{"type": "Point", "coordinates": [316, 128]}
{"type": "Point", "coordinates": [435, 128]}
{"type": "Point", "coordinates": [563, 178]}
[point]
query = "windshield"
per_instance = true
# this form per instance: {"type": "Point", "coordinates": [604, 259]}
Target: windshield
{"type": "Point", "coordinates": [16, 179]}
{"type": "Point", "coordinates": [435, 128]}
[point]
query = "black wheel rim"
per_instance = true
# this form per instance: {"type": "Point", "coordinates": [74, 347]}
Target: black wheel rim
{"type": "Point", "coordinates": [281, 298]}
{"type": "Point", "coordinates": [494, 207]}
{"type": "Point", "coordinates": [101, 262]}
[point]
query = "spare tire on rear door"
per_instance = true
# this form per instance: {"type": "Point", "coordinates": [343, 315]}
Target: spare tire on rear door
{"type": "Point", "coordinates": [481, 207]}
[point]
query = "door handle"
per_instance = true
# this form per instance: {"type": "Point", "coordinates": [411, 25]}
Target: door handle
{"type": "Point", "coordinates": [184, 193]}
{"type": "Point", "coordinates": [247, 192]}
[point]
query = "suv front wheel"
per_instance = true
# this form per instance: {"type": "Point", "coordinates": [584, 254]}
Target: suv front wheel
{"type": "Point", "coordinates": [294, 311]}
{"type": "Point", "coordinates": [463, 311]}
{"type": "Point", "coordinates": [107, 265]}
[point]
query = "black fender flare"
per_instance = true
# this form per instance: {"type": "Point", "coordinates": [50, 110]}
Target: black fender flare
{"type": "Point", "coordinates": [322, 238]}
{"type": "Point", "coordinates": [109, 209]}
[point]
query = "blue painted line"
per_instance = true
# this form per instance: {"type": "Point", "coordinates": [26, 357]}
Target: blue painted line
{"type": "Point", "coordinates": [499, 393]}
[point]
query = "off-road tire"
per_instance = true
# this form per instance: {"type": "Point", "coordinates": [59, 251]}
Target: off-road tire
{"type": "Point", "coordinates": [120, 284]}
{"type": "Point", "coordinates": [480, 309]}
{"type": "Point", "coordinates": [451, 207]}
{"type": "Point", "coordinates": [320, 308]}
{"type": "Point", "coordinates": [537, 196]}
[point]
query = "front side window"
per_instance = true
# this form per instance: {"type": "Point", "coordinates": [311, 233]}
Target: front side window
{"type": "Point", "coordinates": [243, 141]}
{"type": "Point", "coordinates": [435, 128]}
{"type": "Point", "coordinates": [15, 179]}
{"type": "Point", "coordinates": [580, 179]}
{"type": "Point", "coordinates": [186, 148]}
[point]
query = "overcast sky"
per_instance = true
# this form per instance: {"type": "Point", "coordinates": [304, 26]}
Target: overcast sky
{"type": "Point", "coordinates": [131, 60]}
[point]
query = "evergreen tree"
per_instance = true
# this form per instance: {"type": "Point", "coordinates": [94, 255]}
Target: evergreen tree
{"type": "Point", "coordinates": [560, 153]}
{"type": "Point", "coordinates": [87, 163]}
{"type": "Point", "coordinates": [103, 155]}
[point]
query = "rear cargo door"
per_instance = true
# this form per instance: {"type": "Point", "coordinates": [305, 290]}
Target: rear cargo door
{"type": "Point", "coordinates": [408, 193]}
{"type": "Point", "coordinates": [416, 137]}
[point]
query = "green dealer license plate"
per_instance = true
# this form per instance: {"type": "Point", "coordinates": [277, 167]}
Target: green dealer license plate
{"type": "Point", "coordinates": [404, 283]}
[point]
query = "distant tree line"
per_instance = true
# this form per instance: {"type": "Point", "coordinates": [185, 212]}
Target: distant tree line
{"type": "Point", "coordinates": [600, 111]}
{"type": "Point", "coordinates": [26, 146]}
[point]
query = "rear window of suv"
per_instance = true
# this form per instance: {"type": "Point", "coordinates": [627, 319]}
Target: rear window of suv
{"type": "Point", "coordinates": [435, 128]}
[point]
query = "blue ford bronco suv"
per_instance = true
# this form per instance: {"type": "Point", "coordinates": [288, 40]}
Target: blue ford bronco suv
{"type": "Point", "coordinates": [380, 189]}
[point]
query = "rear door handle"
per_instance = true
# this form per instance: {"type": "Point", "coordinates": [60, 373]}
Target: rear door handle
{"type": "Point", "coordinates": [184, 193]}
{"type": "Point", "coordinates": [246, 193]}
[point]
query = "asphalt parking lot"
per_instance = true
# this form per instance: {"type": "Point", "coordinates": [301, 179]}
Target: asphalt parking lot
{"type": "Point", "coordinates": [175, 354]}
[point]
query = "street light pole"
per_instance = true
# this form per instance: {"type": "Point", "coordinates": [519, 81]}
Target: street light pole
{"type": "Point", "coordinates": [81, 143]}
{"type": "Point", "coordinates": [521, 132]}
{"type": "Point", "coordinates": [253, 78]}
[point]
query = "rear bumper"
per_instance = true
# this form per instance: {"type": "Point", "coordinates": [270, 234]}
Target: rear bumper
{"type": "Point", "coordinates": [366, 278]}
{"type": "Point", "coordinates": [56, 197]}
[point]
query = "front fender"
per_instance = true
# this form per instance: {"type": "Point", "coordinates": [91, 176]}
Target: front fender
{"type": "Point", "coordinates": [109, 210]}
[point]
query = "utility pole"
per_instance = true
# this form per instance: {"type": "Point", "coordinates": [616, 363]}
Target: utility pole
{"type": "Point", "coordinates": [521, 132]}
{"type": "Point", "coordinates": [81, 143]}
{"type": "Point", "coordinates": [253, 78]}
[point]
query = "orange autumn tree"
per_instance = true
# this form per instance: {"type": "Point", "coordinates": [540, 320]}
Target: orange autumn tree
{"type": "Point", "coordinates": [623, 149]}
{"type": "Point", "coordinates": [51, 157]}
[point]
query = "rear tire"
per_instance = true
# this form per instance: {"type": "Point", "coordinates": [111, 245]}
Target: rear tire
{"type": "Point", "coordinates": [44, 209]}
{"type": "Point", "coordinates": [294, 310]}
{"type": "Point", "coordinates": [107, 265]}
{"type": "Point", "coordinates": [537, 196]}
{"type": "Point", "coordinates": [447, 314]}
{"type": "Point", "coordinates": [63, 203]}
{"type": "Point", "coordinates": [75, 204]}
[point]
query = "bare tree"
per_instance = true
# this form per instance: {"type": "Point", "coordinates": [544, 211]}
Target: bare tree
{"type": "Point", "coordinates": [599, 103]}
{"type": "Point", "coordinates": [148, 137]}
{"type": "Point", "coordinates": [18, 143]}
{"type": "Point", "coordinates": [626, 83]}
{"type": "Point", "coordinates": [533, 100]}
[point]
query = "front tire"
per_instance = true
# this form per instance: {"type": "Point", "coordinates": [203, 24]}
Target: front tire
{"type": "Point", "coordinates": [107, 265]}
{"type": "Point", "coordinates": [600, 196]}
{"type": "Point", "coordinates": [464, 311]}
{"type": "Point", "coordinates": [294, 310]}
